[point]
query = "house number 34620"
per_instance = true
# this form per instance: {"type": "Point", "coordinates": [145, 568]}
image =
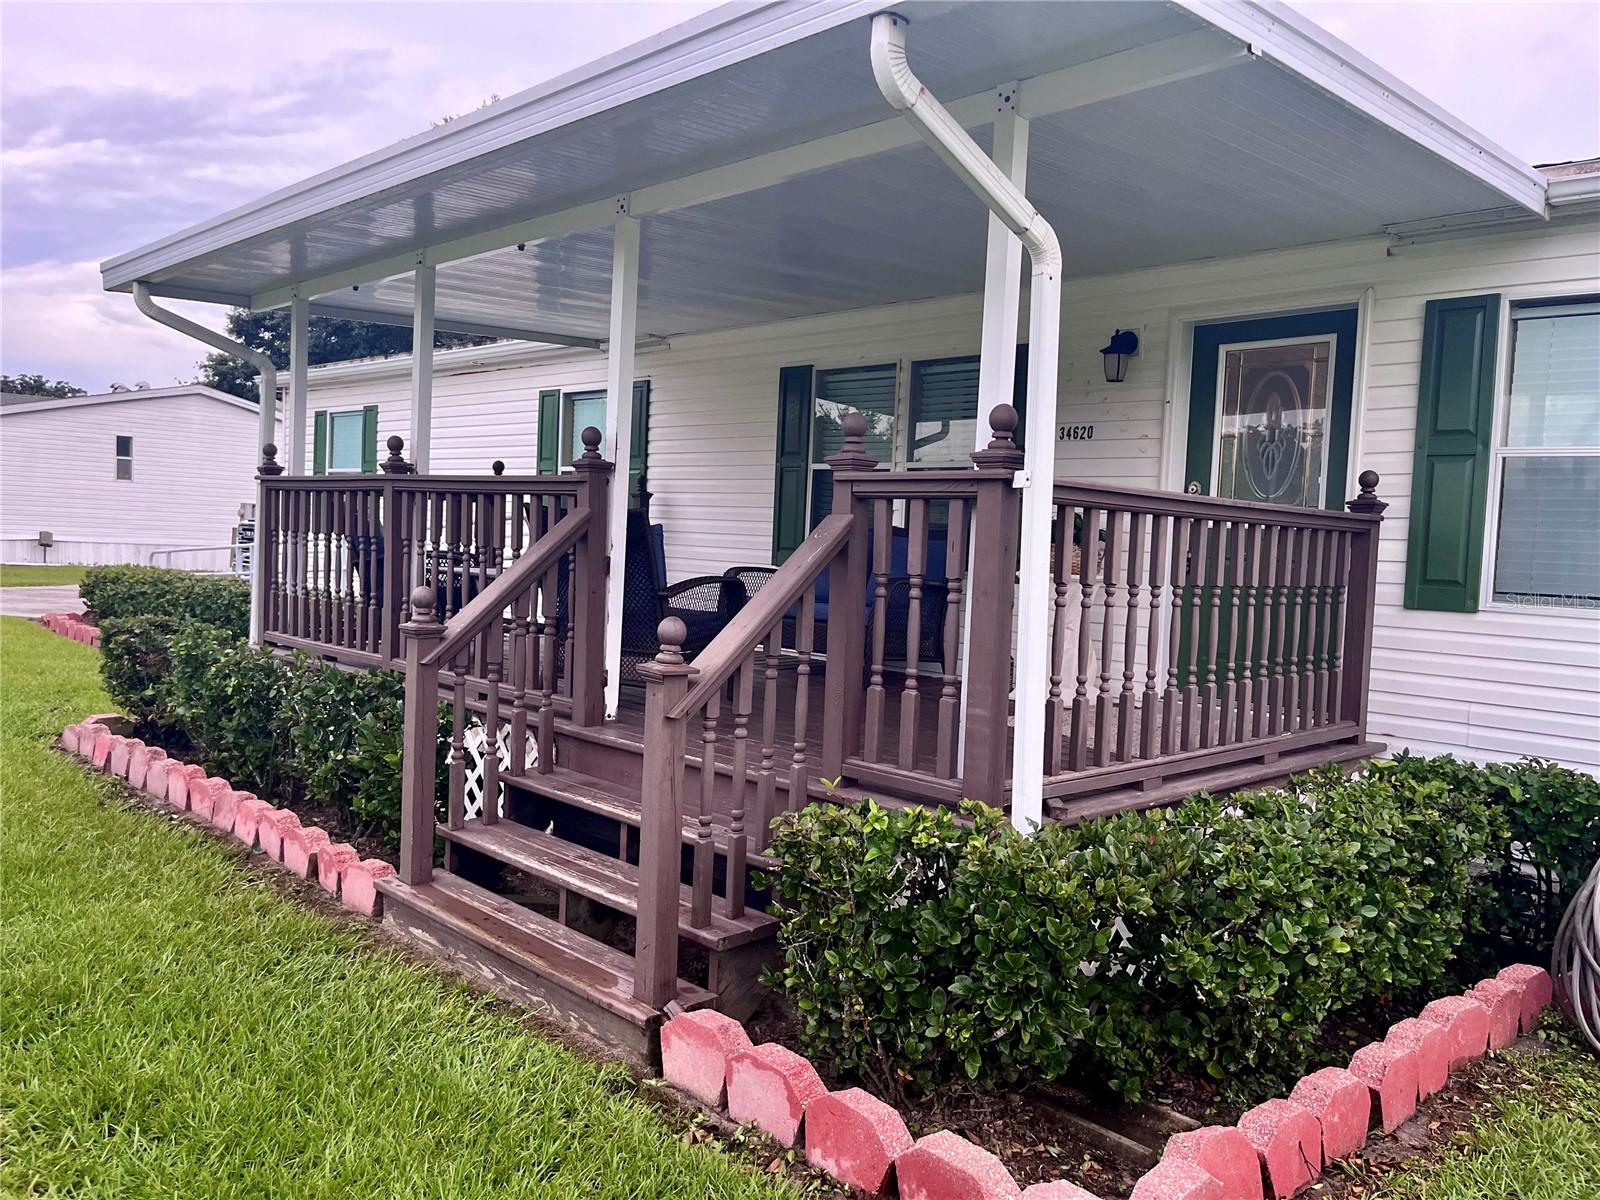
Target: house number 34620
{"type": "Point", "coordinates": [1074, 433]}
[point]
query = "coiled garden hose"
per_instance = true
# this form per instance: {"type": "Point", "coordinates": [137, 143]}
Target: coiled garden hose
{"type": "Point", "coordinates": [1575, 961]}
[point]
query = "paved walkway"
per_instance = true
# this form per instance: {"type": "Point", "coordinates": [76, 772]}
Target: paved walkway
{"type": "Point", "coordinates": [36, 601]}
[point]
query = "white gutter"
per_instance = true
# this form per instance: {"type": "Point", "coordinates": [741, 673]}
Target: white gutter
{"type": "Point", "coordinates": [266, 417]}
{"type": "Point", "coordinates": [905, 93]}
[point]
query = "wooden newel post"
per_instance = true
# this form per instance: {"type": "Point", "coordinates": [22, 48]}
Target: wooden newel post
{"type": "Point", "coordinates": [1361, 602]}
{"type": "Point", "coordinates": [666, 682]}
{"type": "Point", "coordinates": [421, 635]}
{"type": "Point", "coordinates": [996, 524]}
{"type": "Point", "coordinates": [262, 560]}
{"type": "Point", "coordinates": [588, 666]}
{"type": "Point", "coordinates": [847, 598]}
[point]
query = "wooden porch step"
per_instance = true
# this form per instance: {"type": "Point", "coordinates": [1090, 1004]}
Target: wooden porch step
{"type": "Point", "coordinates": [606, 880]}
{"type": "Point", "coordinates": [604, 799]}
{"type": "Point", "coordinates": [531, 958]}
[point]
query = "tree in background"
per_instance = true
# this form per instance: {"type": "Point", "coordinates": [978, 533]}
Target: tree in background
{"type": "Point", "coordinates": [332, 340]}
{"type": "Point", "coordinates": [38, 385]}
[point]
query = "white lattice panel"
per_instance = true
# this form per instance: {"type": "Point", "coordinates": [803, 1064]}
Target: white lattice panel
{"type": "Point", "coordinates": [477, 739]}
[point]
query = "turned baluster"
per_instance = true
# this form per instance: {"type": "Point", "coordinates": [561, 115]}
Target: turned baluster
{"type": "Point", "coordinates": [1269, 579]}
{"type": "Point", "coordinates": [1170, 699]}
{"type": "Point", "coordinates": [1103, 703]}
{"type": "Point", "coordinates": [766, 773]}
{"type": "Point", "coordinates": [1149, 727]}
{"type": "Point", "coordinates": [1130, 643]}
{"type": "Point", "coordinates": [910, 690]}
{"type": "Point", "coordinates": [1248, 700]}
{"type": "Point", "coordinates": [1088, 542]}
{"type": "Point", "coordinates": [1199, 545]}
{"type": "Point", "coordinates": [955, 566]}
{"type": "Point", "coordinates": [744, 689]}
{"type": "Point", "coordinates": [1217, 564]}
{"type": "Point", "coordinates": [520, 626]}
{"type": "Point", "coordinates": [1280, 622]}
{"type": "Point", "coordinates": [882, 550]}
{"type": "Point", "coordinates": [804, 635]}
{"type": "Point", "coordinates": [492, 650]}
{"type": "Point", "coordinates": [702, 850]}
{"type": "Point", "coordinates": [1055, 715]}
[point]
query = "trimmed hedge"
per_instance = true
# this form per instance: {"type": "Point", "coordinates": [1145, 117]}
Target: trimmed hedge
{"type": "Point", "coordinates": [1214, 937]}
{"type": "Point", "coordinates": [282, 727]}
{"type": "Point", "coordinates": [1552, 840]}
{"type": "Point", "coordinates": [110, 593]}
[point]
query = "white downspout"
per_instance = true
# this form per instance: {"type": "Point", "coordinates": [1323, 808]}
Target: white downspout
{"type": "Point", "coordinates": [266, 426]}
{"type": "Point", "coordinates": [989, 183]}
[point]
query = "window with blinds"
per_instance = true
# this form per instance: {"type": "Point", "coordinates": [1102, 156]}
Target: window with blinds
{"type": "Point", "coordinates": [1547, 460]}
{"type": "Point", "coordinates": [870, 391]}
{"type": "Point", "coordinates": [944, 412]}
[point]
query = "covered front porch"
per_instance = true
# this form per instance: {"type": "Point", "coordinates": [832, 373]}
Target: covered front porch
{"type": "Point", "coordinates": [982, 627]}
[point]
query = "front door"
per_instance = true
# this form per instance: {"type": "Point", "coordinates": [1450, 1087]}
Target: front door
{"type": "Point", "coordinates": [1269, 409]}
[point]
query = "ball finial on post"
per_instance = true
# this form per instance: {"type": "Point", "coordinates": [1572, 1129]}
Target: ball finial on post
{"type": "Point", "coordinates": [853, 455]}
{"type": "Point", "coordinates": [1002, 450]}
{"type": "Point", "coordinates": [671, 634]}
{"type": "Point", "coordinates": [498, 466]}
{"type": "Point", "coordinates": [590, 437]}
{"type": "Point", "coordinates": [396, 463]}
{"type": "Point", "coordinates": [269, 461]}
{"type": "Point", "coordinates": [422, 601]}
{"type": "Point", "coordinates": [1366, 500]}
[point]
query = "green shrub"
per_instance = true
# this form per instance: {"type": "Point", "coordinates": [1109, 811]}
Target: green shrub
{"type": "Point", "coordinates": [126, 591]}
{"type": "Point", "coordinates": [136, 665]}
{"type": "Point", "coordinates": [228, 698]}
{"type": "Point", "coordinates": [346, 736]}
{"type": "Point", "coordinates": [1215, 937]}
{"type": "Point", "coordinates": [1549, 841]}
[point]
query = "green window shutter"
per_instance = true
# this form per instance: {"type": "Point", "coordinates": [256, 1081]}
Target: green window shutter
{"type": "Point", "coordinates": [639, 456]}
{"type": "Point", "coordinates": [369, 440]}
{"type": "Point", "coordinates": [1450, 473]}
{"type": "Point", "coordinates": [794, 461]}
{"type": "Point", "coordinates": [319, 444]}
{"type": "Point", "coordinates": [549, 431]}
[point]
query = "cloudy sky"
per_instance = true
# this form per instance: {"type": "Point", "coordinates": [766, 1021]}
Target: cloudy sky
{"type": "Point", "coordinates": [120, 123]}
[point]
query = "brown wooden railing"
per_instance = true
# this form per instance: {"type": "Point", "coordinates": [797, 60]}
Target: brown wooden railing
{"type": "Point", "coordinates": [538, 620]}
{"type": "Point", "coordinates": [340, 555]}
{"type": "Point", "coordinates": [896, 594]}
{"type": "Point", "coordinates": [1191, 632]}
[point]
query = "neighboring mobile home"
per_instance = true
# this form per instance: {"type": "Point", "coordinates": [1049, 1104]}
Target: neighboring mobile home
{"type": "Point", "coordinates": [1064, 548]}
{"type": "Point", "coordinates": [122, 476]}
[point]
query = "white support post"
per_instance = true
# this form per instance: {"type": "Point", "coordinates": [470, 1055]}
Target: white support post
{"type": "Point", "coordinates": [1002, 274]}
{"type": "Point", "coordinates": [1002, 304]}
{"type": "Point", "coordinates": [619, 429]}
{"type": "Point", "coordinates": [422, 367]}
{"type": "Point", "coordinates": [294, 425]}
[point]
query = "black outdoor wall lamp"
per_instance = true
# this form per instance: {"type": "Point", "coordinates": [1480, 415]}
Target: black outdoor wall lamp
{"type": "Point", "coordinates": [1124, 344]}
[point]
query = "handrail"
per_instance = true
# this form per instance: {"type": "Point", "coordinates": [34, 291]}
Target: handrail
{"type": "Point", "coordinates": [718, 661]}
{"type": "Point", "coordinates": [1103, 495]}
{"type": "Point", "coordinates": [489, 603]}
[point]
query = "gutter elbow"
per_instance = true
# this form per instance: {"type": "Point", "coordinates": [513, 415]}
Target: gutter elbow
{"type": "Point", "coordinates": [889, 66]}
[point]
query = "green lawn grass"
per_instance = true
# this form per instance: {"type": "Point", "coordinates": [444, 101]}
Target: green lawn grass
{"type": "Point", "coordinates": [1542, 1143]}
{"type": "Point", "coordinates": [175, 1027]}
{"type": "Point", "coordinates": [35, 575]}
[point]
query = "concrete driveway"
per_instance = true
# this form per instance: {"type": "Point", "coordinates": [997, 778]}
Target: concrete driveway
{"type": "Point", "coordinates": [36, 601]}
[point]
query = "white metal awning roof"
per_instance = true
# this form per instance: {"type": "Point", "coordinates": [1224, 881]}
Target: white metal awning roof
{"type": "Point", "coordinates": [773, 181]}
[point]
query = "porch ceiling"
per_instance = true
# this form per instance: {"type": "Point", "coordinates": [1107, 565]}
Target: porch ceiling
{"type": "Point", "coordinates": [1255, 156]}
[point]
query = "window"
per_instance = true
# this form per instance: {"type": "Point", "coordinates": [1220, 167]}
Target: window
{"type": "Point", "coordinates": [944, 412]}
{"type": "Point", "coordinates": [1545, 491]}
{"type": "Point", "coordinates": [581, 410]}
{"type": "Point", "coordinates": [871, 391]}
{"type": "Point", "coordinates": [124, 456]}
{"type": "Point", "coordinates": [346, 439]}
